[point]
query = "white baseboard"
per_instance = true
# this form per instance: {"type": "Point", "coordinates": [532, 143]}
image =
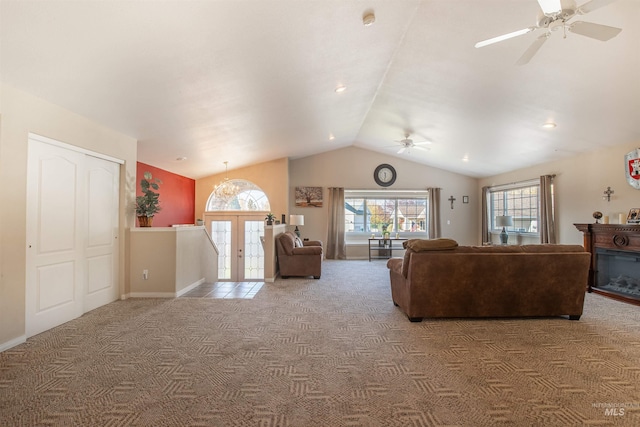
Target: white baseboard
{"type": "Point", "coordinates": [152, 295]}
{"type": "Point", "coordinates": [12, 343]}
{"type": "Point", "coordinates": [190, 287]}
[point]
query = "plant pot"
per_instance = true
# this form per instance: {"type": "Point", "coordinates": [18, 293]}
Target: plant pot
{"type": "Point", "coordinates": [269, 222]}
{"type": "Point", "coordinates": [145, 221]}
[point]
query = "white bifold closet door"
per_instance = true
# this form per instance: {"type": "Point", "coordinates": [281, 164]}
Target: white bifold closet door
{"type": "Point", "coordinates": [72, 234]}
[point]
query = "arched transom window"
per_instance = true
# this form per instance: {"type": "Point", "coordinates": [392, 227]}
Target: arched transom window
{"type": "Point", "coordinates": [238, 195]}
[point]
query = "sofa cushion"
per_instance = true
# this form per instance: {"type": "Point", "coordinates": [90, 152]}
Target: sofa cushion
{"type": "Point", "coordinates": [424, 245]}
{"type": "Point", "coordinates": [492, 249]}
{"type": "Point", "coordinates": [298, 242]}
{"type": "Point", "coordinates": [421, 245]}
{"type": "Point", "coordinates": [549, 247]}
{"type": "Point", "coordinates": [287, 241]}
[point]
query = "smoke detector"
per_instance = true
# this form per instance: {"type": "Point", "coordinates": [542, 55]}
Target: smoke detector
{"type": "Point", "coordinates": [368, 19]}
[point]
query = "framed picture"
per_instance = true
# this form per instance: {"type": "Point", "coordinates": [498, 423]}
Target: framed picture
{"type": "Point", "coordinates": [634, 216]}
{"type": "Point", "coordinates": [465, 199]}
{"type": "Point", "coordinates": [309, 197]}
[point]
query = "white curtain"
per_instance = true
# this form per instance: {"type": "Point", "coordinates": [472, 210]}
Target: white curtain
{"type": "Point", "coordinates": [547, 207]}
{"type": "Point", "coordinates": [336, 248]}
{"type": "Point", "coordinates": [434, 213]}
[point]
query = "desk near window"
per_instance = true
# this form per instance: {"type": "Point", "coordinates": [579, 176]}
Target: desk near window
{"type": "Point", "coordinates": [385, 247]}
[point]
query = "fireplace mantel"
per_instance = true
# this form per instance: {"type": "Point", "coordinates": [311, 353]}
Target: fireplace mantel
{"type": "Point", "coordinates": [621, 237]}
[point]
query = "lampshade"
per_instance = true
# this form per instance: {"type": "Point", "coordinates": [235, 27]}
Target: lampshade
{"type": "Point", "coordinates": [504, 221]}
{"type": "Point", "coordinates": [296, 219]}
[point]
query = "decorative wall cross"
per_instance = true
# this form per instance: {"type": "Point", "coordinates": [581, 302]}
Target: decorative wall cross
{"type": "Point", "coordinates": [451, 199]}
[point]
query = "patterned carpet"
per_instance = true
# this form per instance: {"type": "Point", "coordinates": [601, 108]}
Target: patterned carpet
{"type": "Point", "coordinates": [328, 352]}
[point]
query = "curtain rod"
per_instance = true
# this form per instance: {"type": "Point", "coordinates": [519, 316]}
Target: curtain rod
{"type": "Point", "coordinates": [388, 190]}
{"type": "Point", "coordinates": [532, 181]}
{"type": "Point", "coordinates": [526, 181]}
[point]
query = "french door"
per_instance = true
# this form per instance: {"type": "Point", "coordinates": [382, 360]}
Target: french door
{"type": "Point", "coordinates": [239, 239]}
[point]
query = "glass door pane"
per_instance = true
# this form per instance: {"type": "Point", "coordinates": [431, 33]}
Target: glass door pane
{"type": "Point", "coordinates": [222, 232]}
{"type": "Point", "coordinates": [253, 265]}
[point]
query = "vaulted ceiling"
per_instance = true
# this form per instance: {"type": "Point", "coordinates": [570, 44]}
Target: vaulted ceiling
{"type": "Point", "coordinates": [251, 81]}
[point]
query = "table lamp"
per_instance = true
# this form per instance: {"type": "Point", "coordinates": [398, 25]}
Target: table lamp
{"type": "Point", "coordinates": [504, 221]}
{"type": "Point", "coordinates": [296, 220]}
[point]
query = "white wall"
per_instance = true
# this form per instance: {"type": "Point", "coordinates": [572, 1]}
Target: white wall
{"type": "Point", "coordinates": [579, 184]}
{"type": "Point", "coordinates": [23, 113]}
{"type": "Point", "coordinates": [352, 168]}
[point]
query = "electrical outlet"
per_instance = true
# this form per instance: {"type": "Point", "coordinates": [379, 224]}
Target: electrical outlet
{"type": "Point", "coordinates": [145, 274]}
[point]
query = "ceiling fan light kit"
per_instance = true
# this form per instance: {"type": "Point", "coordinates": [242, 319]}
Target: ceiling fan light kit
{"type": "Point", "coordinates": [407, 144]}
{"type": "Point", "coordinates": [556, 15]}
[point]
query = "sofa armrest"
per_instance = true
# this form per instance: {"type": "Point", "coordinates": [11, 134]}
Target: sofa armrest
{"type": "Point", "coordinates": [308, 250]}
{"type": "Point", "coordinates": [395, 264]}
{"type": "Point", "coordinates": [312, 243]}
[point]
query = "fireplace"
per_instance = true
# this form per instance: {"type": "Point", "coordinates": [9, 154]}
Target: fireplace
{"type": "Point", "coordinates": [615, 260]}
{"type": "Point", "coordinates": [618, 272]}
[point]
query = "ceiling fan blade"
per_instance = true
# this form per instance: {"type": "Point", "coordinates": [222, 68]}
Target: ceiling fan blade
{"type": "Point", "coordinates": [533, 49]}
{"type": "Point", "coordinates": [595, 31]}
{"type": "Point", "coordinates": [421, 148]}
{"type": "Point", "coordinates": [504, 37]}
{"type": "Point", "coordinates": [422, 143]}
{"type": "Point", "coordinates": [401, 150]}
{"type": "Point", "coordinates": [549, 7]}
{"type": "Point", "coordinates": [593, 5]}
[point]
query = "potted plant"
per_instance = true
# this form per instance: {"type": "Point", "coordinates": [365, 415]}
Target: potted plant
{"type": "Point", "coordinates": [385, 233]}
{"type": "Point", "coordinates": [148, 204]}
{"type": "Point", "coordinates": [269, 218]}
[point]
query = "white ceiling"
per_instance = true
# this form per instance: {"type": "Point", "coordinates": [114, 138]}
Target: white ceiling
{"type": "Point", "coordinates": [252, 81]}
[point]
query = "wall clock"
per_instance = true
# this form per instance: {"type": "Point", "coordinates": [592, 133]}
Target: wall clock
{"type": "Point", "coordinates": [384, 175]}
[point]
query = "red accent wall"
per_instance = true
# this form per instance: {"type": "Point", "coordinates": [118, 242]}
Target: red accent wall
{"type": "Point", "coordinates": [177, 196]}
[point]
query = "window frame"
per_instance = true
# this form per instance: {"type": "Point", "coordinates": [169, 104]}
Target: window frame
{"type": "Point", "coordinates": [506, 210]}
{"type": "Point", "coordinates": [396, 196]}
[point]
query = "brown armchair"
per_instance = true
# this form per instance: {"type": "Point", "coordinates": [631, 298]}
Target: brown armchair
{"type": "Point", "coordinates": [298, 258]}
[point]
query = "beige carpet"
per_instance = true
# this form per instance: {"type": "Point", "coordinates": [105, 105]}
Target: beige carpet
{"type": "Point", "coordinates": [328, 352]}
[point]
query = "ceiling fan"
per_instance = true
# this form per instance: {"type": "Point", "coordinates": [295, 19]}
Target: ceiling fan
{"type": "Point", "coordinates": [407, 144]}
{"type": "Point", "coordinates": [556, 15]}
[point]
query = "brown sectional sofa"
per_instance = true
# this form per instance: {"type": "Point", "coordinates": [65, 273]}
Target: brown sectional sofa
{"type": "Point", "coordinates": [442, 279]}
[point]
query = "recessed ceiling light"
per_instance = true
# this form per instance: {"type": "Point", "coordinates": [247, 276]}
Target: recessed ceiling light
{"type": "Point", "coordinates": [465, 159]}
{"type": "Point", "coordinates": [340, 89]}
{"type": "Point", "coordinates": [331, 137]}
{"type": "Point", "coordinates": [180, 159]}
{"type": "Point", "coordinates": [549, 125]}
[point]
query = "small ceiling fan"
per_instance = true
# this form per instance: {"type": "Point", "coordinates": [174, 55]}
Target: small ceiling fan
{"type": "Point", "coordinates": [555, 15]}
{"type": "Point", "coordinates": [407, 144]}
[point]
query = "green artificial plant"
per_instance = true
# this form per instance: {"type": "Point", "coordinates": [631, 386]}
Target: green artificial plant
{"type": "Point", "coordinates": [148, 204]}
